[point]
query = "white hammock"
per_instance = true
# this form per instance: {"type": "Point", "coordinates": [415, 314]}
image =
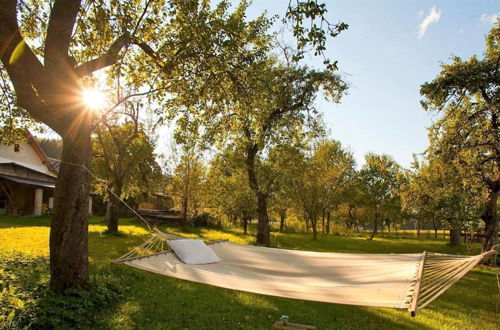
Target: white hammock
{"type": "Point", "coordinates": [408, 281]}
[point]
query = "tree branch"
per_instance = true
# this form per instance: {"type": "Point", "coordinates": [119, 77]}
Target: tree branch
{"type": "Point", "coordinates": [60, 28]}
{"type": "Point", "coordinates": [110, 58]}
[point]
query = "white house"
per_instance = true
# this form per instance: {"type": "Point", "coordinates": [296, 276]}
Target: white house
{"type": "Point", "coordinates": [27, 179]}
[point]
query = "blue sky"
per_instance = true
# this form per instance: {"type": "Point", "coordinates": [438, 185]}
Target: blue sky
{"type": "Point", "coordinates": [385, 60]}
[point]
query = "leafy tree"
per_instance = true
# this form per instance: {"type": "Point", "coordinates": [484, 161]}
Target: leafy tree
{"type": "Point", "coordinates": [379, 178]}
{"type": "Point", "coordinates": [336, 169]}
{"type": "Point", "coordinates": [124, 155]}
{"type": "Point", "coordinates": [229, 191]}
{"type": "Point", "coordinates": [466, 94]}
{"type": "Point", "coordinates": [49, 52]}
{"type": "Point", "coordinates": [437, 193]}
{"type": "Point", "coordinates": [270, 105]}
{"type": "Point", "coordinates": [187, 182]}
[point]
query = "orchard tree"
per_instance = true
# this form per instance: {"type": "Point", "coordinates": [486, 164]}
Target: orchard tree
{"type": "Point", "coordinates": [50, 50]}
{"type": "Point", "coordinates": [124, 156]}
{"type": "Point", "coordinates": [229, 191]}
{"type": "Point", "coordinates": [379, 178]}
{"type": "Point", "coordinates": [272, 104]}
{"type": "Point", "coordinates": [335, 170]}
{"type": "Point", "coordinates": [466, 94]}
{"type": "Point", "coordinates": [187, 182]}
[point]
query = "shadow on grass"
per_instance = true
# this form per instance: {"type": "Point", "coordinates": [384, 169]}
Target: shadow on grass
{"type": "Point", "coordinates": [159, 302]}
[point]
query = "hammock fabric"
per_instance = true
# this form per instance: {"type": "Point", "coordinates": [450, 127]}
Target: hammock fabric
{"type": "Point", "coordinates": [406, 281]}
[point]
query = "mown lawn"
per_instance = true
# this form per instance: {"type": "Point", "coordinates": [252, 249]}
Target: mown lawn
{"type": "Point", "coordinates": [153, 301]}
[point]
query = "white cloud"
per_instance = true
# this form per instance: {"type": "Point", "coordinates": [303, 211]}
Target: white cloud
{"type": "Point", "coordinates": [432, 18]}
{"type": "Point", "coordinates": [490, 19]}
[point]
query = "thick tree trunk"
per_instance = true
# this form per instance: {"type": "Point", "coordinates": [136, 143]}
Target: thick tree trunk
{"type": "Point", "coordinates": [490, 218]}
{"type": "Point", "coordinates": [112, 210]}
{"type": "Point", "coordinates": [69, 228]}
{"type": "Point", "coordinates": [263, 228]}
{"type": "Point", "coordinates": [455, 237]}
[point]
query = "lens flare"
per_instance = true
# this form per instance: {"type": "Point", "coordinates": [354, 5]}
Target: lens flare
{"type": "Point", "coordinates": [94, 99]}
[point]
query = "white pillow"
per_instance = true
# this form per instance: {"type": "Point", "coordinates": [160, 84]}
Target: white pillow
{"type": "Point", "coordinates": [193, 251]}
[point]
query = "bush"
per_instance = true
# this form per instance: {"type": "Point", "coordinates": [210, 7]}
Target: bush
{"type": "Point", "coordinates": [23, 280]}
{"type": "Point", "coordinates": [26, 301]}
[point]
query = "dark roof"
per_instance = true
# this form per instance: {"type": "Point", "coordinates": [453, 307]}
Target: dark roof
{"type": "Point", "coordinates": [32, 182]}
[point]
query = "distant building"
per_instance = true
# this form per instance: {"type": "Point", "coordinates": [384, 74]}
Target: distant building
{"type": "Point", "coordinates": [27, 179]}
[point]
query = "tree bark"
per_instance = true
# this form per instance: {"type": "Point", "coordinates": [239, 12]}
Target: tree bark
{"type": "Point", "coordinates": [263, 228]}
{"type": "Point", "coordinates": [375, 226]}
{"type": "Point", "coordinates": [323, 222]}
{"type": "Point", "coordinates": [69, 227]}
{"type": "Point", "coordinates": [112, 210]}
{"type": "Point", "coordinates": [245, 225]}
{"type": "Point", "coordinates": [306, 219]}
{"type": "Point", "coordinates": [455, 237]}
{"type": "Point", "coordinates": [328, 219]}
{"type": "Point", "coordinates": [282, 220]}
{"type": "Point", "coordinates": [314, 222]}
{"type": "Point", "coordinates": [490, 218]}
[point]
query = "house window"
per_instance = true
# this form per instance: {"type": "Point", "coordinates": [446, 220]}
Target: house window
{"type": "Point", "coordinates": [17, 147]}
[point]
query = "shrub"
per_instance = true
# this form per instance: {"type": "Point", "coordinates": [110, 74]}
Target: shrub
{"type": "Point", "coordinates": [26, 301]}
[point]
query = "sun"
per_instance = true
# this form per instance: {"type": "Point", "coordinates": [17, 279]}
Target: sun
{"type": "Point", "coordinates": [94, 99]}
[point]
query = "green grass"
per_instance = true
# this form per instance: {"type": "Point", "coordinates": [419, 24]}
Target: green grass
{"type": "Point", "coordinates": [152, 301]}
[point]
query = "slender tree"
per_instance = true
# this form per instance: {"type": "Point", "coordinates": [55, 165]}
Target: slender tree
{"type": "Point", "coordinates": [379, 177]}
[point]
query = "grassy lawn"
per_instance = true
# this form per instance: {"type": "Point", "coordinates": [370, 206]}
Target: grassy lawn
{"type": "Point", "coordinates": [153, 301]}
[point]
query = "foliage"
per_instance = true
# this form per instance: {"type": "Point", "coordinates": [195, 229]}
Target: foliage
{"type": "Point", "coordinates": [26, 301]}
{"type": "Point", "coordinates": [466, 95]}
{"type": "Point", "coordinates": [187, 182]}
{"type": "Point", "coordinates": [380, 181]}
{"type": "Point", "coordinates": [22, 283]}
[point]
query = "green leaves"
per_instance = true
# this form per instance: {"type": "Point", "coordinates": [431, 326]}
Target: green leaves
{"type": "Point", "coordinates": [311, 28]}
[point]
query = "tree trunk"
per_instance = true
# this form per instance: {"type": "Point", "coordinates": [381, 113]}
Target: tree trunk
{"type": "Point", "coordinates": [490, 218]}
{"type": "Point", "coordinates": [418, 228]}
{"type": "Point", "coordinates": [323, 222]}
{"type": "Point", "coordinates": [328, 223]}
{"type": "Point", "coordinates": [375, 225]}
{"type": "Point", "coordinates": [455, 237]}
{"type": "Point", "coordinates": [245, 225]}
{"type": "Point", "coordinates": [112, 209]}
{"type": "Point", "coordinates": [306, 218]}
{"type": "Point", "coordinates": [263, 228]}
{"type": "Point", "coordinates": [282, 220]}
{"type": "Point", "coordinates": [314, 227]}
{"type": "Point", "coordinates": [435, 226]}
{"type": "Point", "coordinates": [69, 227]}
